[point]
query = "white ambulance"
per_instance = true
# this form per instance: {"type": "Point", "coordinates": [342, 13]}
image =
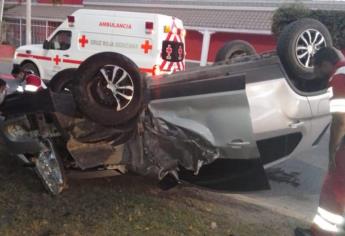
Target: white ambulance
{"type": "Point", "coordinates": [154, 42]}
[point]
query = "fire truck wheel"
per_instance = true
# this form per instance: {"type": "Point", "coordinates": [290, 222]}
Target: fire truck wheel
{"type": "Point", "coordinates": [297, 45]}
{"type": "Point", "coordinates": [62, 81]}
{"type": "Point", "coordinates": [233, 49]}
{"type": "Point", "coordinates": [108, 89]}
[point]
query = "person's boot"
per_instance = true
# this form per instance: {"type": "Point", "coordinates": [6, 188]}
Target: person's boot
{"type": "Point", "coordinates": [302, 232]}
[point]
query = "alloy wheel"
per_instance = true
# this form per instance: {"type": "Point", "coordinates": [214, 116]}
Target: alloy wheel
{"type": "Point", "coordinates": [113, 87]}
{"type": "Point", "coordinates": [49, 169]}
{"type": "Point", "coordinates": [308, 43]}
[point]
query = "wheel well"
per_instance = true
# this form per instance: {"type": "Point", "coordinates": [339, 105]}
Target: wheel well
{"type": "Point", "coordinates": [31, 62]}
{"type": "Point", "coordinates": [114, 53]}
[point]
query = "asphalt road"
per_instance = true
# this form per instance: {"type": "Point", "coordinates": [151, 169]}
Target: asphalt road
{"type": "Point", "coordinates": [295, 183]}
{"type": "Point", "coordinates": [5, 67]}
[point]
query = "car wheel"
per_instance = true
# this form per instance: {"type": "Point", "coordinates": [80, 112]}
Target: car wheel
{"type": "Point", "coordinates": [109, 89]}
{"type": "Point", "coordinates": [62, 81]}
{"type": "Point", "coordinates": [298, 44]}
{"type": "Point", "coordinates": [31, 68]}
{"type": "Point", "coordinates": [234, 49]}
{"type": "Point", "coordinates": [49, 168]}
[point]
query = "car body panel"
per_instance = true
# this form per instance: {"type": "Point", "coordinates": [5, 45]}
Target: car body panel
{"type": "Point", "coordinates": [282, 117]}
{"type": "Point", "coordinates": [216, 110]}
{"type": "Point", "coordinates": [221, 118]}
{"type": "Point", "coordinates": [320, 108]}
{"type": "Point", "coordinates": [277, 114]}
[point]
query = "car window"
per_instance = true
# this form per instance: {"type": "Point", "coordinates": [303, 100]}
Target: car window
{"type": "Point", "coordinates": [61, 40]}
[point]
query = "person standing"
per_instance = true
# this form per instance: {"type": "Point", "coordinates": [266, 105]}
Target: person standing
{"type": "Point", "coordinates": [330, 217]}
{"type": "Point", "coordinates": [29, 82]}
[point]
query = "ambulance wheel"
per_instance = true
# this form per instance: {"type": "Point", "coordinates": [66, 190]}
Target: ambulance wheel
{"type": "Point", "coordinates": [109, 89]}
{"type": "Point", "coordinates": [31, 68]}
{"type": "Point", "coordinates": [233, 49]}
{"type": "Point", "coordinates": [62, 81]}
{"type": "Point", "coordinates": [297, 45]}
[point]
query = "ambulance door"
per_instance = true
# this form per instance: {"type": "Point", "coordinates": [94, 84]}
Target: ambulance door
{"type": "Point", "coordinates": [59, 50]}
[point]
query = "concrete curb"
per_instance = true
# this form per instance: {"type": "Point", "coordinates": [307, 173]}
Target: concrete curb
{"type": "Point", "coordinates": [279, 210]}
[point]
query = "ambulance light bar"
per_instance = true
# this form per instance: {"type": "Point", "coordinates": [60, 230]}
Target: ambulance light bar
{"type": "Point", "coordinates": [177, 31]}
{"type": "Point", "coordinates": [70, 20]}
{"type": "Point", "coordinates": [149, 27]}
{"type": "Point", "coordinates": [166, 29]}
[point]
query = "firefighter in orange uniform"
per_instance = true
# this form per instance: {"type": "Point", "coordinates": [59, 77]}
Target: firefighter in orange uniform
{"type": "Point", "coordinates": [330, 217]}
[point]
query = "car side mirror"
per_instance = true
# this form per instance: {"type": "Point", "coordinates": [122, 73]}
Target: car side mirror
{"type": "Point", "coordinates": [46, 44]}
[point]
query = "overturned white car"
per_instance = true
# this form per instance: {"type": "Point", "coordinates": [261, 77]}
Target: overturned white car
{"type": "Point", "coordinates": [214, 126]}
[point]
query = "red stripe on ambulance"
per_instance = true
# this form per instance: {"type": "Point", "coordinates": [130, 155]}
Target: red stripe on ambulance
{"type": "Point", "coordinates": [70, 61]}
{"type": "Point", "coordinates": [34, 56]}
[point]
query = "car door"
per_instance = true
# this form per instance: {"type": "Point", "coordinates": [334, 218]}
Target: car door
{"type": "Point", "coordinates": [59, 48]}
{"type": "Point", "coordinates": [281, 115]}
{"type": "Point", "coordinates": [217, 110]}
{"type": "Point", "coordinates": [320, 108]}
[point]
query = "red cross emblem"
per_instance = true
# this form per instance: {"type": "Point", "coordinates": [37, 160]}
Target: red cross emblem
{"type": "Point", "coordinates": [180, 52]}
{"type": "Point", "coordinates": [168, 50]}
{"type": "Point", "coordinates": [57, 60]}
{"type": "Point", "coordinates": [83, 41]}
{"type": "Point", "coordinates": [146, 46]}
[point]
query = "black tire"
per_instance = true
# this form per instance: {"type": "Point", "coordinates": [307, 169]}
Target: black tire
{"type": "Point", "coordinates": [96, 101]}
{"type": "Point", "coordinates": [30, 67]}
{"type": "Point", "coordinates": [291, 38]}
{"type": "Point", "coordinates": [62, 80]}
{"type": "Point", "coordinates": [233, 49]}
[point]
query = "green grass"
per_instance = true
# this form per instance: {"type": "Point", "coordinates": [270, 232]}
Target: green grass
{"type": "Point", "coordinates": [125, 205]}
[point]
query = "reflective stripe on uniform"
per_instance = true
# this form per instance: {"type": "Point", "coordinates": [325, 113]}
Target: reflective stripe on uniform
{"type": "Point", "coordinates": [331, 217]}
{"type": "Point", "coordinates": [341, 70]}
{"type": "Point", "coordinates": [31, 88]}
{"type": "Point", "coordinates": [337, 105]}
{"type": "Point", "coordinates": [324, 225]}
{"type": "Point", "coordinates": [329, 221]}
{"type": "Point", "coordinates": [20, 89]}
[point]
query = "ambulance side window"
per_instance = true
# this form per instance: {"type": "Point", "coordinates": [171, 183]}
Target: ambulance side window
{"type": "Point", "coordinates": [61, 40]}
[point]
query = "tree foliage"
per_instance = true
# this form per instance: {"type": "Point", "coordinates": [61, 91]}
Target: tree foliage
{"type": "Point", "coordinates": [333, 20]}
